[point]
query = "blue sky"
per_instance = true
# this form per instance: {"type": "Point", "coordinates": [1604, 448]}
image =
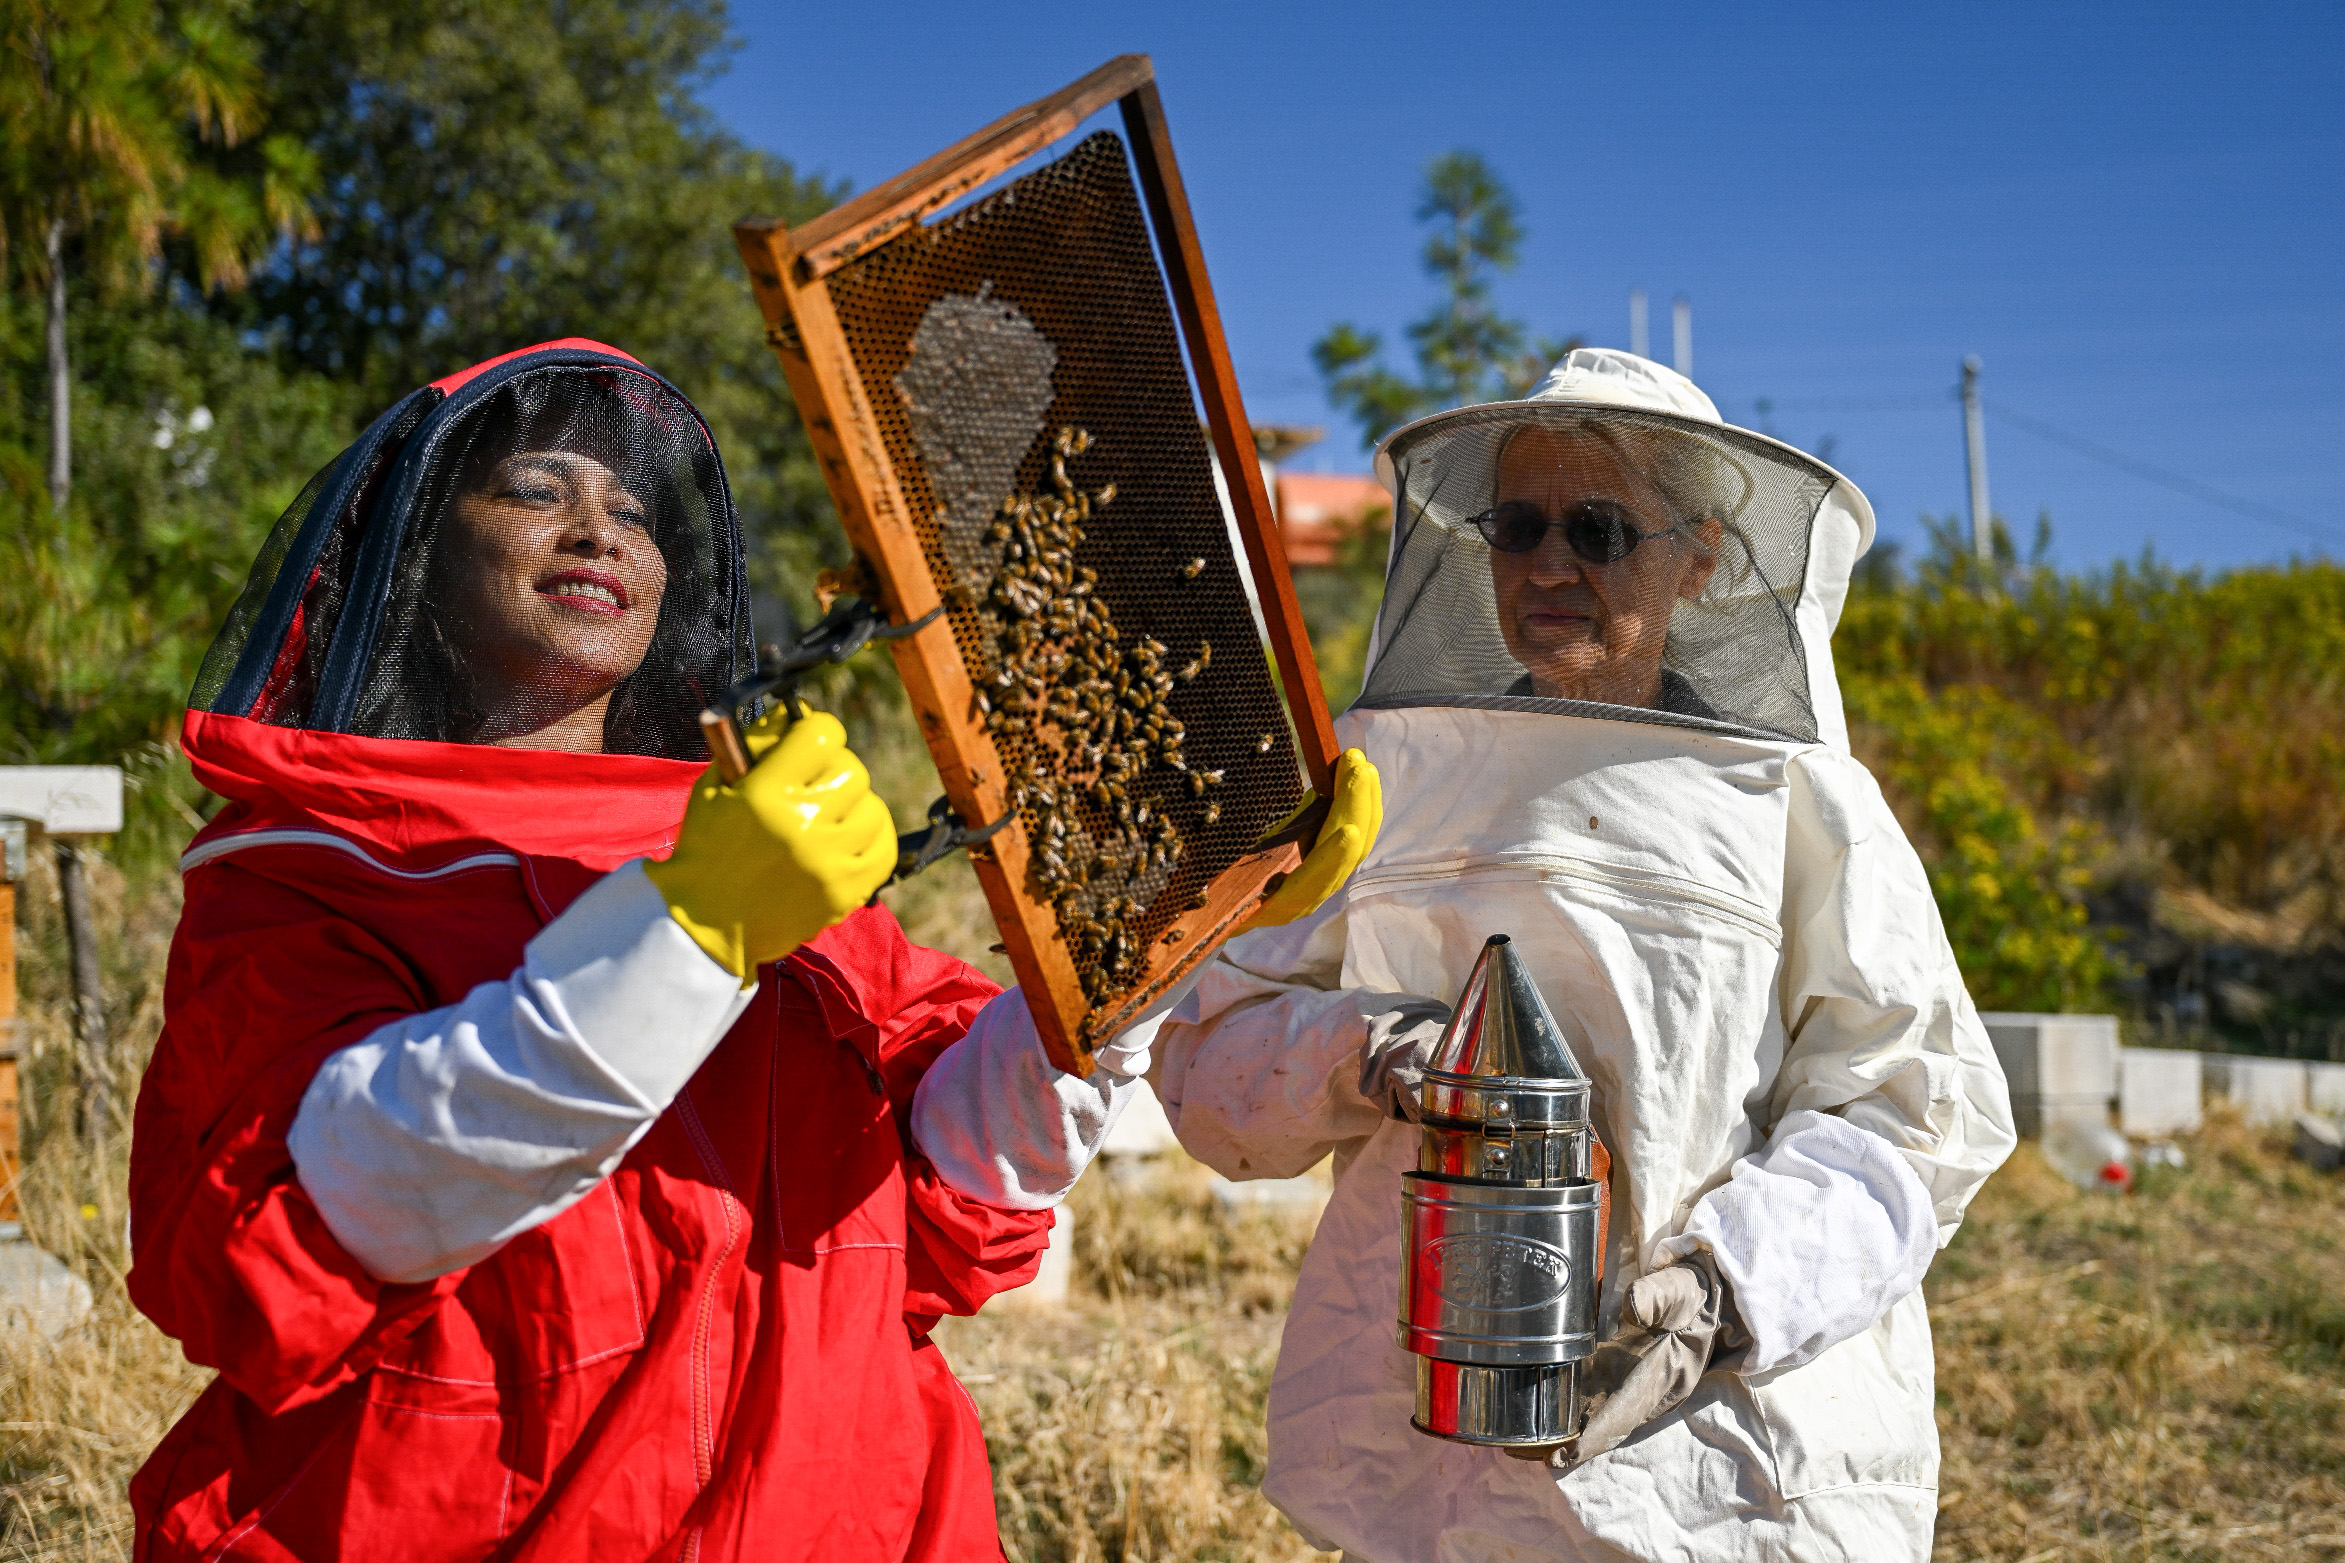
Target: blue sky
{"type": "Point", "coordinates": [2135, 215]}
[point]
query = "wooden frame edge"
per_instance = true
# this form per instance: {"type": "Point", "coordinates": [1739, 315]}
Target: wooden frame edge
{"type": "Point", "coordinates": [1233, 436]}
{"type": "Point", "coordinates": [881, 213]}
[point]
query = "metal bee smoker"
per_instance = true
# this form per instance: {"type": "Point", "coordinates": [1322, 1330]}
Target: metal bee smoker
{"type": "Point", "coordinates": [1503, 1221]}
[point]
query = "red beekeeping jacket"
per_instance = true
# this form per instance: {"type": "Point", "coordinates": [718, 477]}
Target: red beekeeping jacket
{"type": "Point", "coordinates": [719, 1353]}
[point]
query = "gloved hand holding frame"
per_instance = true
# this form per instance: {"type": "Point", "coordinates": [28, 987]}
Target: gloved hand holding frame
{"type": "Point", "coordinates": [1002, 413]}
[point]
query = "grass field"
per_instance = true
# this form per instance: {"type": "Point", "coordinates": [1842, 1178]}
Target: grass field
{"type": "Point", "coordinates": [2154, 1377]}
{"type": "Point", "coordinates": [2160, 1376]}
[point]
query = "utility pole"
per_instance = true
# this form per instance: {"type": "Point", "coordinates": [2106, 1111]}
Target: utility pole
{"type": "Point", "coordinates": [1974, 440]}
{"type": "Point", "coordinates": [1640, 339]}
{"type": "Point", "coordinates": [1681, 319]}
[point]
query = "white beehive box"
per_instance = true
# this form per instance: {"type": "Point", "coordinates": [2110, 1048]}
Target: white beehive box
{"type": "Point", "coordinates": [64, 800]}
{"type": "Point", "coordinates": [2325, 1089]}
{"type": "Point", "coordinates": [2159, 1091]}
{"type": "Point", "coordinates": [2265, 1090]}
{"type": "Point", "coordinates": [2061, 1067]}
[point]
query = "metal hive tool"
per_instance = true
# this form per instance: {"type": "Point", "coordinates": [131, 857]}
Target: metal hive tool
{"type": "Point", "coordinates": [1009, 428]}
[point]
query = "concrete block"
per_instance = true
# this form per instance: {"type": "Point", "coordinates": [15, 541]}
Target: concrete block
{"type": "Point", "coordinates": [2319, 1142]}
{"type": "Point", "coordinates": [1051, 1285]}
{"type": "Point", "coordinates": [37, 1289]}
{"type": "Point", "coordinates": [2324, 1089]}
{"type": "Point", "coordinates": [2056, 1057]}
{"type": "Point", "coordinates": [1307, 1192]}
{"type": "Point", "coordinates": [2036, 1116]}
{"type": "Point", "coordinates": [2265, 1090]}
{"type": "Point", "coordinates": [2158, 1090]}
{"type": "Point", "coordinates": [1142, 1129]}
{"type": "Point", "coordinates": [2062, 1068]}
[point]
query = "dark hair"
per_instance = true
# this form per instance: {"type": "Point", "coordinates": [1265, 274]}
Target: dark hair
{"type": "Point", "coordinates": [419, 686]}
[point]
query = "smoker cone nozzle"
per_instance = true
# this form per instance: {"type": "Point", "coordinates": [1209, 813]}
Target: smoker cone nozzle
{"type": "Point", "coordinates": [1502, 1028]}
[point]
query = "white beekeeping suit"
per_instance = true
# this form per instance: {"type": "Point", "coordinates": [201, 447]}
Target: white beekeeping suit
{"type": "Point", "coordinates": [1603, 703]}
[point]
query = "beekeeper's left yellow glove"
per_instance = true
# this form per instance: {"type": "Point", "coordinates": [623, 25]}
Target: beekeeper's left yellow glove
{"type": "Point", "coordinates": [765, 863]}
{"type": "Point", "coordinates": [1345, 839]}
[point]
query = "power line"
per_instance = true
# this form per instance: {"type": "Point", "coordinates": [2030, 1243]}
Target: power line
{"type": "Point", "coordinates": [2253, 509]}
{"type": "Point", "coordinates": [1851, 403]}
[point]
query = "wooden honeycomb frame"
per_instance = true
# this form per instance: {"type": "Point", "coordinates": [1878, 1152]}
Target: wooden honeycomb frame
{"type": "Point", "coordinates": [792, 274]}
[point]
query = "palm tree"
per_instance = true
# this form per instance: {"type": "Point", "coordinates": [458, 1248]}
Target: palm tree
{"type": "Point", "coordinates": [116, 111]}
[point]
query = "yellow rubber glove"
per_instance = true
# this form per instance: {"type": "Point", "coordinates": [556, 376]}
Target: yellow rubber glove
{"type": "Point", "coordinates": [1345, 839]}
{"type": "Point", "coordinates": [765, 864]}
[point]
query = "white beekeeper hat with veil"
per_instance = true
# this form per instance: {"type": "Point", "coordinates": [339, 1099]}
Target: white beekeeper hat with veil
{"type": "Point", "coordinates": [1516, 583]}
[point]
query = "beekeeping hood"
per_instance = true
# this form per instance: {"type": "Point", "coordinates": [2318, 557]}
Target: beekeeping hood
{"type": "Point", "coordinates": [1730, 927]}
{"type": "Point", "coordinates": [349, 623]}
{"type": "Point", "coordinates": [1751, 653]}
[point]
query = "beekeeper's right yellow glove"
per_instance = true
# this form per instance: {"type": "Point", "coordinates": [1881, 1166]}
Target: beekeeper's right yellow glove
{"type": "Point", "coordinates": [766, 863]}
{"type": "Point", "coordinates": [1345, 839]}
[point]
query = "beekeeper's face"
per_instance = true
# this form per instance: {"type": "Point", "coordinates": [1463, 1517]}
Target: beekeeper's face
{"type": "Point", "coordinates": [557, 584]}
{"type": "Point", "coordinates": [1588, 562]}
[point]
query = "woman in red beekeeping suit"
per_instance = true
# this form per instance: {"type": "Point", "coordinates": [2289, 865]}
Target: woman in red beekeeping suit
{"type": "Point", "coordinates": [536, 1143]}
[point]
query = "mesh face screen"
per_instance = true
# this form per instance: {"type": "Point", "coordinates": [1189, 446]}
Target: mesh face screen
{"type": "Point", "coordinates": [345, 487]}
{"type": "Point", "coordinates": [562, 540]}
{"type": "Point", "coordinates": [1598, 561]}
{"type": "Point", "coordinates": [1022, 363]}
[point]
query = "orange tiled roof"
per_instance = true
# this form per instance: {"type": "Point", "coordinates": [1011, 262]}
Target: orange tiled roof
{"type": "Point", "coordinates": [1317, 509]}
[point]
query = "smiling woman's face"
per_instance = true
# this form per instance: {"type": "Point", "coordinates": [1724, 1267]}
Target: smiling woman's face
{"type": "Point", "coordinates": [553, 587]}
{"type": "Point", "coordinates": [1593, 631]}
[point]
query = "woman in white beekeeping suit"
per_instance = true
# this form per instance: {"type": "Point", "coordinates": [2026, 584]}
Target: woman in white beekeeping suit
{"type": "Point", "coordinates": [1603, 704]}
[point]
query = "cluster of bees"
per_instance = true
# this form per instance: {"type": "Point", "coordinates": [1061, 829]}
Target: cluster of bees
{"type": "Point", "coordinates": [1085, 717]}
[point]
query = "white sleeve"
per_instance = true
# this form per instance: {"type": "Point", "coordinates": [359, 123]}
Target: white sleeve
{"type": "Point", "coordinates": [1818, 1234]}
{"type": "Point", "coordinates": [444, 1135]}
{"type": "Point", "coordinates": [1883, 1033]}
{"type": "Point", "coordinates": [1004, 1125]}
{"type": "Point", "coordinates": [1259, 1067]}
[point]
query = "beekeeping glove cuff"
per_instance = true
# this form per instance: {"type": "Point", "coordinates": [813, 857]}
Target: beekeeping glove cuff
{"type": "Point", "coordinates": [1673, 1322]}
{"type": "Point", "coordinates": [1393, 1058]}
{"type": "Point", "coordinates": [1819, 1234]}
{"type": "Point", "coordinates": [1004, 1125]}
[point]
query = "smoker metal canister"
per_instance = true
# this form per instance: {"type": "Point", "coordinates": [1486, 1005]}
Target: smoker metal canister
{"type": "Point", "coordinates": [1500, 1268]}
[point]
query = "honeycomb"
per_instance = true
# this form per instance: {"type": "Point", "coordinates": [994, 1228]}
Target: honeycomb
{"type": "Point", "coordinates": [1023, 365]}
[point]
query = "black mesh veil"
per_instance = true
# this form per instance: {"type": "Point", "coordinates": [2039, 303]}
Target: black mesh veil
{"type": "Point", "coordinates": [1698, 624]}
{"type": "Point", "coordinates": [494, 553]}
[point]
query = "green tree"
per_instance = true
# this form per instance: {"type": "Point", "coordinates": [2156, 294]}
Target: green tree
{"type": "Point", "coordinates": [2012, 891]}
{"type": "Point", "coordinates": [501, 172]}
{"type": "Point", "coordinates": [1466, 351]}
{"type": "Point", "coordinates": [109, 105]}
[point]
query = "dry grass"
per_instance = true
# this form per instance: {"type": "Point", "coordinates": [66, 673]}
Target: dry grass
{"type": "Point", "coordinates": [2158, 1377]}
{"type": "Point", "coordinates": [1130, 1425]}
{"type": "Point", "coordinates": [78, 1415]}
{"type": "Point", "coordinates": [2161, 1376]}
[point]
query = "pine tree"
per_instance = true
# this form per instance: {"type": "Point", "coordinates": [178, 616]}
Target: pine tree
{"type": "Point", "coordinates": [1466, 351]}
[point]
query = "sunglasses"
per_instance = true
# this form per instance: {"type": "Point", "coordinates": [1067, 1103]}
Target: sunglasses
{"type": "Point", "coordinates": [1598, 531]}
